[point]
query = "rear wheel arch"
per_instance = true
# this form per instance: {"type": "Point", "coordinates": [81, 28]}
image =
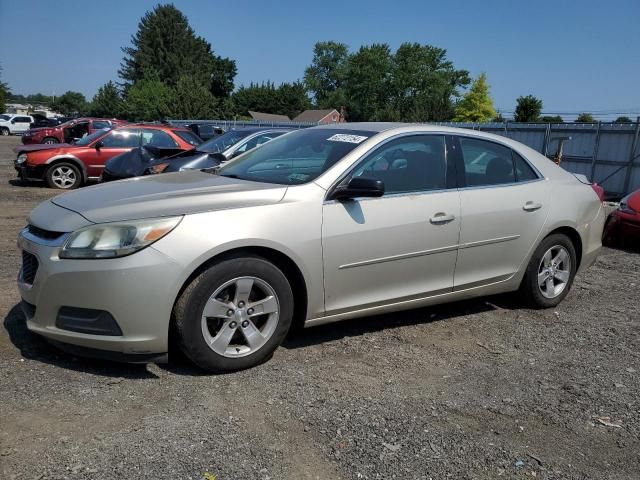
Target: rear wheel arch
{"type": "Point", "coordinates": [282, 261]}
{"type": "Point", "coordinates": [575, 238]}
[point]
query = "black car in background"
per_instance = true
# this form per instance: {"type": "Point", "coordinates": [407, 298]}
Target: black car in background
{"type": "Point", "coordinates": [206, 131]}
{"type": "Point", "coordinates": [206, 155]}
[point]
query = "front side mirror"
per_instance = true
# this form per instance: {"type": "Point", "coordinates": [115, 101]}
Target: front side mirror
{"type": "Point", "coordinates": [99, 144]}
{"type": "Point", "coordinates": [219, 157]}
{"type": "Point", "coordinates": [359, 187]}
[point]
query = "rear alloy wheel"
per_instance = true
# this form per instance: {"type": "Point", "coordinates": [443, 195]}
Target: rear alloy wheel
{"type": "Point", "coordinates": [64, 176]}
{"type": "Point", "coordinates": [550, 272]}
{"type": "Point", "coordinates": [50, 141]}
{"type": "Point", "coordinates": [234, 315]}
{"type": "Point", "coordinates": [4, 132]}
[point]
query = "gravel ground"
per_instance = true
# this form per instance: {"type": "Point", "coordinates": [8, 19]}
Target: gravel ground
{"type": "Point", "coordinates": [476, 390]}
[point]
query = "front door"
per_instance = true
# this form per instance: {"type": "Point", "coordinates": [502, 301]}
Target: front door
{"type": "Point", "coordinates": [402, 245]}
{"type": "Point", "coordinates": [114, 143]}
{"type": "Point", "coordinates": [504, 206]}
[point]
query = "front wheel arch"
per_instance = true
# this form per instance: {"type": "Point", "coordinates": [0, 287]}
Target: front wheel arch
{"type": "Point", "coordinates": [79, 165]}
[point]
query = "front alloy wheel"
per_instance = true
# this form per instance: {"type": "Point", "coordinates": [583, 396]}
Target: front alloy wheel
{"type": "Point", "coordinates": [64, 176]}
{"type": "Point", "coordinates": [234, 314]}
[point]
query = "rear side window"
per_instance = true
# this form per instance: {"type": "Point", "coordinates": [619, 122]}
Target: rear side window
{"type": "Point", "coordinates": [100, 124]}
{"type": "Point", "coordinates": [524, 172]}
{"type": "Point", "coordinates": [486, 163]}
{"type": "Point", "coordinates": [188, 137]}
{"type": "Point", "coordinates": [23, 120]}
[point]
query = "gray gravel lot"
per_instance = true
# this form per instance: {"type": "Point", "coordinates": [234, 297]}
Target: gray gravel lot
{"type": "Point", "coordinates": [476, 390]}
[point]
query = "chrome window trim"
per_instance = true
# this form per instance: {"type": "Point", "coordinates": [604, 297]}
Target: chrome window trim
{"type": "Point", "coordinates": [500, 185]}
{"type": "Point", "coordinates": [355, 164]}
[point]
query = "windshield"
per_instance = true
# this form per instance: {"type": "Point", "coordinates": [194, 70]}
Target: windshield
{"type": "Point", "coordinates": [297, 157]}
{"type": "Point", "coordinates": [221, 143]}
{"type": "Point", "coordinates": [84, 141]}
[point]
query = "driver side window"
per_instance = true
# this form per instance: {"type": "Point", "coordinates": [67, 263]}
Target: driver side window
{"type": "Point", "coordinates": [415, 163]}
{"type": "Point", "coordinates": [122, 139]}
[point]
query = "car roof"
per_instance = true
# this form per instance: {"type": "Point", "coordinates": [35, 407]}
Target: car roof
{"type": "Point", "coordinates": [154, 126]}
{"type": "Point", "coordinates": [258, 129]}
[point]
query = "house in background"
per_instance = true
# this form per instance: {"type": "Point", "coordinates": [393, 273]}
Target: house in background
{"type": "Point", "coordinates": [268, 117]}
{"type": "Point", "coordinates": [321, 117]}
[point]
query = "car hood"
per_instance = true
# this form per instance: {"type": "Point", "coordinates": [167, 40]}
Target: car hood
{"type": "Point", "coordinates": [167, 195]}
{"type": "Point", "coordinates": [41, 146]}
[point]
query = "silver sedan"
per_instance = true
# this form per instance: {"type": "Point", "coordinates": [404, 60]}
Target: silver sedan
{"type": "Point", "coordinates": [319, 225]}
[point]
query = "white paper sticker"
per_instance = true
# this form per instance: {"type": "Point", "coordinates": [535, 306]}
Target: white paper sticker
{"type": "Point", "coordinates": [343, 137]}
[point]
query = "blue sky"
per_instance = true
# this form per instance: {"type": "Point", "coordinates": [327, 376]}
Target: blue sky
{"type": "Point", "coordinates": [574, 55]}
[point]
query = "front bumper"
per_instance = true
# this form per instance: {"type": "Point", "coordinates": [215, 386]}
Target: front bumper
{"type": "Point", "coordinates": [135, 290]}
{"type": "Point", "coordinates": [28, 172]}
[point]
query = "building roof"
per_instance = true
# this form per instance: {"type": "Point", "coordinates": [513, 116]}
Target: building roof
{"type": "Point", "coordinates": [314, 115]}
{"type": "Point", "coordinates": [269, 117]}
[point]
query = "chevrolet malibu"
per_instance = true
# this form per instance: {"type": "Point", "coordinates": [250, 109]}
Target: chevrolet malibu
{"type": "Point", "coordinates": [319, 225]}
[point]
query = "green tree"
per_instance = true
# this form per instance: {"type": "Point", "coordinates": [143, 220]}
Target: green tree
{"type": "Point", "coordinates": [476, 105]}
{"type": "Point", "coordinates": [256, 97]}
{"type": "Point", "coordinates": [292, 99]}
{"type": "Point", "coordinates": [498, 118]}
{"type": "Point", "coordinates": [4, 93]}
{"type": "Point", "coordinates": [623, 120]}
{"type": "Point", "coordinates": [423, 84]}
{"type": "Point", "coordinates": [70, 103]}
{"type": "Point", "coordinates": [325, 77]}
{"type": "Point", "coordinates": [585, 118]}
{"type": "Point", "coordinates": [551, 119]}
{"type": "Point", "coordinates": [149, 100]}
{"type": "Point", "coordinates": [107, 102]}
{"type": "Point", "coordinates": [166, 46]}
{"type": "Point", "coordinates": [367, 83]}
{"type": "Point", "coordinates": [192, 100]}
{"type": "Point", "coordinates": [528, 109]}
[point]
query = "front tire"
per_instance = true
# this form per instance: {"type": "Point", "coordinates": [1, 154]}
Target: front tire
{"type": "Point", "coordinates": [550, 272]}
{"type": "Point", "coordinates": [234, 314]}
{"type": "Point", "coordinates": [4, 132]}
{"type": "Point", "coordinates": [63, 176]}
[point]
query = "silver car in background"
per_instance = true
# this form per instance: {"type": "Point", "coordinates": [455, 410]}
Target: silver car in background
{"type": "Point", "coordinates": [318, 225]}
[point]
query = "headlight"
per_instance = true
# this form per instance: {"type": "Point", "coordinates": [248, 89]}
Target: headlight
{"type": "Point", "coordinates": [22, 158]}
{"type": "Point", "coordinates": [111, 240]}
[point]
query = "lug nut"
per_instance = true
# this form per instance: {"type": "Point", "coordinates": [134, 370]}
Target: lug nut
{"type": "Point", "coordinates": [230, 312]}
{"type": "Point", "coordinates": [241, 304]}
{"type": "Point", "coordinates": [233, 324]}
{"type": "Point", "coordinates": [250, 311]}
{"type": "Point", "coordinates": [245, 324]}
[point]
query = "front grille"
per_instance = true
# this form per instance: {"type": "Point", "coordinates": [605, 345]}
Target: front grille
{"type": "Point", "coordinates": [29, 267]}
{"type": "Point", "coordinates": [44, 234]}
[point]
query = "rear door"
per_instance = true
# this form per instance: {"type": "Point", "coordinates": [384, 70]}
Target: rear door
{"type": "Point", "coordinates": [400, 246]}
{"type": "Point", "coordinates": [20, 124]}
{"type": "Point", "coordinates": [504, 205]}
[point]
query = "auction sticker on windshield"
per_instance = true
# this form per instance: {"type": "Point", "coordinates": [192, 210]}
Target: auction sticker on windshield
{"type": "Point", "coordinates": [343, 137]}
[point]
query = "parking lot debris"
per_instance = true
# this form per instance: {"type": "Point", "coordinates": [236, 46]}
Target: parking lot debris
{"type": "Point", "coordinates": [489, 349]}
{"type": "Point", "coordinates": [519, 463]}
{"type": "Point", "coordinates": [606, 421]}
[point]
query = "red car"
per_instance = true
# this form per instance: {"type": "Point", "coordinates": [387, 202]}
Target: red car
{"type": "Point", "coordinates": [623, 225]}
{"type": "Point", "coordinates": [68, 166]}
{"type": "Point", "coordinates": [69, 131]}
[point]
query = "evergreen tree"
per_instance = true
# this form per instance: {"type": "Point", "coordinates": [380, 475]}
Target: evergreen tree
{"type": "Point", "coordinates": [149, 100]}
{"type": "Point", "coordinates": [107, 102]}
{"type": "Point", "coordinates": [528, 109]}
{"type": "Point", "coordinates": [167, 47]}
{"type": "Point", "coordinates": [325, 77]}
{"type": "Point", "coordinates": [551, 119]}
{"type": "Point", "coordinates": [622, 120]}
{"type": "Point", "coordinates": [192, 100]}
{"type": "Point", "coordinates": [476, 105]}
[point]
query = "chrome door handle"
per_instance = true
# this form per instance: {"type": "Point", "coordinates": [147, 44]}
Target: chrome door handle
{"type": "Point", "coordinates": [441, 217]}
{"type": "Point", "coordinates": [531, 206]}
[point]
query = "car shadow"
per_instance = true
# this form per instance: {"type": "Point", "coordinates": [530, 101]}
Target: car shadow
{"type": "Point", "coordinates": [34, 347]}
{"type": "Point", "coordinates": [352, 328]}
{"type": "Point", "coordinates": [16, 182]}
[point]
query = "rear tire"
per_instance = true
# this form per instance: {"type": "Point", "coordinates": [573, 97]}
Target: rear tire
{"type": "Point", "coordinates": [4, 132]}
{"type": "Point", "coordinates": [550, 272]}
{"type": "Point", "coordinates": [50, 141]}
{"type": "Point", "coordinates": [63, 176]}
{"type": "Point", "coordinates": [234, 314]}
